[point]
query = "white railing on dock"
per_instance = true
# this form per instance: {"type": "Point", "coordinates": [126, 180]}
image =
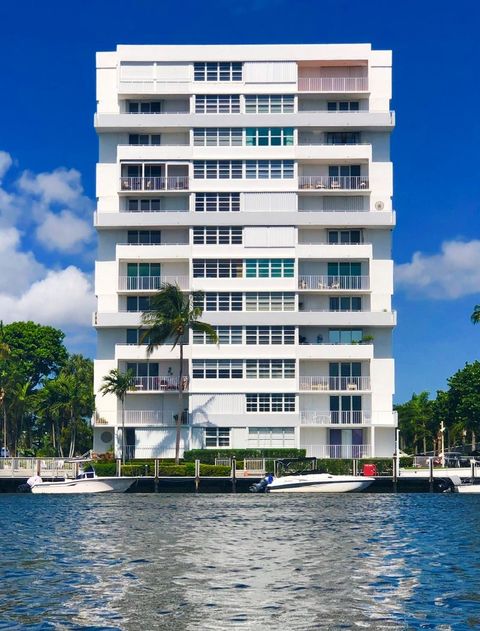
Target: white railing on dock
{"type": "Point", "coordinates": [23, 467]}
{"type": "Point", "coordinates": [334, 383]}
{"type": "Point", "coordinates": [338, 451]}
{"type": "Point", "coordinates": [333, 282]}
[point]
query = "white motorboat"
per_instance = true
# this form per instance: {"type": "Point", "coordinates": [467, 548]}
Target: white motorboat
{"type": "Point", "coordinates": [84, 485]}
{"type": "Point", "coordinates": [318, 483]}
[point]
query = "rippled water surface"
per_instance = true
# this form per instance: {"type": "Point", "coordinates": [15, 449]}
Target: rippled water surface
{"type": "Point", "coordinates": [183, 562]}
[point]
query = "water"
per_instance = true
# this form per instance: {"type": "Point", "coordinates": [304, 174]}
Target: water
{"type": "Point", "coordinates": [141, 562]}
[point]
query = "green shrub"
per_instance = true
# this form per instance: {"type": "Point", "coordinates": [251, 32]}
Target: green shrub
{"type": "Point", "coordinates": [105, 469]}
{"type": "Point", "coordinates": [208, 455]}
{"type": "Point", "coordinates": [345, 467]}
{"type": "Point", "coordinates": [214, 470]}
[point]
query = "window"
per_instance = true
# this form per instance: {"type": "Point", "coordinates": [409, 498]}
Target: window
{"type": "Point", "coordinates": [269, 136]}
{"type": "Point", "coordinates": [217, 202]}
{"type": "Point", "coordinates": [143, 369]}
{"type": "Point", "coordinates": [135, 336]}
{"type": "Point", "coordinates": [344, 269]}
{"type": "Point", "coordinates": [144, 237]}
{"type": "Point", "coordinates": [144, 107]}
{"type": "Point", "coordinates": [217, 71]}
{"type": "Point", "coordinates": [270, 402]}
{"type": "Point", "coordinates": [345, 303]}
{"type": "Point", "coordinates": [270, 368]}
{"type": "Point", "coordinates": [217, 104]}
{"type": "Point", "coordinates": [144, 205]}
{"type": "Point", "coordinates": [346, 176]}
{"type": "Point", "coordinates": [143, 276]}
{"type": "Point", "coordinates": [345, 336]}
{"type": "Point", "coordinates": [217, 369]}
{"type": "Point", "coordinates": [270, 335]}
{"type": "Point", "coordinates": [217, 437]}
{"type": "Point", "coordinates": [138, 303]}
{"type": "Point", "coordinates": [270, 301]}
{"type": "Point", "coordinates": [345, 236]}
{"type": "Point", "coordinates": [217, 268]}
{"type": "Point", "coordinates": [144, 139]}
{"type": "Point", "coordinates": [269, 268]}
{"type": "Point", "coordinates": [269, 169]}
{"type": "Point", "coordinates": [217, 169]}
{"type": "Point", "coordinates": [273, 437]}
{"type": "Point", "coordinates": [346, 409]}
{"type": "Point", "coordinates": [269, 103]}
{"type": "Point", "coordinates": [218, 301]}
{"type": "Point", "coordinates": [217, 235]}
{"type": "Point", "coordinates": [218, 136]}
{"type": "Point", "coordinates": [343, 106]}
{"type": "Point", "coordinates": [343, 138]}
{"type": "Point", "coordinates": [226, 335]}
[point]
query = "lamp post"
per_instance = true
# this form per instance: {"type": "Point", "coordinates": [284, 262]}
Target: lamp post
{"type": "Point", "coordinates": [442, 442]}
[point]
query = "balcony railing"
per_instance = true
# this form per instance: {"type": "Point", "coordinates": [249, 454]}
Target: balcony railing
{"type": "Point", "coordinates": [333, 282]}
{"type": "Point", "coordinates": [338, 451]}
{"type": "Point", "coordinates": [334, 383]}
{"type": "Point", "coordinates": [352, 417]}
{"type": "Point", "coordinates": [171, 183]}
{"type": "Point", "coordinates": [151, 417]}
{"type": "Point", "coordinates": [333, 182]}
{"type": "Point", "coordinates": [159, 384]}
{"type": "Point", "coordinates": [150, 283]}
{"type": "Point", "coordinates": [332, 84]}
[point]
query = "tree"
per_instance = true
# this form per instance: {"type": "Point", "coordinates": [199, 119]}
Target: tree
{"type": "Point", "coordinates": [119, 384]}
{"type": "Point", "coordinates": [464, 399]}
{"type": "Point", "coordinates": [416, 421]}
{"type": "Point", "coordinates": [170, 318]}
{"type": "Point", "coordinates": [475, 317]}
{"type": "Point", "coordinates": [4, 356]}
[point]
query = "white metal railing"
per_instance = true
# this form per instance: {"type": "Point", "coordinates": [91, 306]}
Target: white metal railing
{"type": "Point", "coordinates": [333, 182]}
{"type": "Point", "coordinates": [338, 451]}
{"type": "Point", "coordinates": [150, 245]}
{"type": "Point", "coordinates": [150, 283]}
{"type": "Point", "coordinates": [334, 383]}
{"type": "Point", "coordinates": [25, 467]}
{"type": "Point", "coordinates": [151, 417]}
{"type": "Point", "coordinates": [351, 417]}
{"type": "Point", "coordinates": [156, 210]}
{"type": "Point", "coordinates": [332, 84]}
{"type": "Point", "coordinates": [305, 141]}
{"type": "Point", "coordinates": [224, 462]}
{"type": "Point", "coordinates": [323, 242]}
{"type": "Point", "coordinates": [333, 282]}
{"type": "Point", "coordinates": [163, 143]}
{"type": "Point", "coordinates": [171, 183]}
{"type": "Point", "coordinates": [254, 465]}
{"type": "Point", "coordinates": [160, 383]}
{"type": "Point", "coordinates": [183, 111]}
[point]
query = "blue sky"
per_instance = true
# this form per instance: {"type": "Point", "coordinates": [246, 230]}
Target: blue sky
{"type": "Point", "coordinates": [48, 151]}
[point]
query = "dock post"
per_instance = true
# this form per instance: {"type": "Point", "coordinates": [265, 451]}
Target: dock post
{"type": "Point", "coordinates": [234, 474]}
{"type": "Point", "coordinates": [119, 468]}
{"type": "Point", "coordinates": [430, 474]}
{"type": "Point", "coordinates": [472, 471]}
{"type": "Point", "coordinates": [197, 475]}
{"type": "Point", "coordinates": [394, 474]}
{"type": "Point", "coordinates": [156, 465]}
{"type": "Point", "coordinates": [354, 467]}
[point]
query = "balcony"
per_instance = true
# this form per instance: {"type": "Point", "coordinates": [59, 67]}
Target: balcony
{"type": "Point", "coordinates": [136, 418]}
{"type": "Point", "coordinates": [334, 384]}
{"type": "Point", "coordinates": [334, 283]}
{"type": "Point", "coordinates": [333, 84]}
{"type": "Point", "coordinates": [350, 417]}
{"type": "Point", "coordinates": [338, 451]}
{"type": "Point", "coordinates": [164, 383]}
{"type": "Point", "coordinates": [333, 183]}
{"type": "Point", "coordinates": [152, 184]}
{"type": "Point", "coordinates": [150, 283]}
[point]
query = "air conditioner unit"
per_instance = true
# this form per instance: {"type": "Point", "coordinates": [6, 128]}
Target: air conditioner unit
{"type": "Point", "coordinates": [379, 205]}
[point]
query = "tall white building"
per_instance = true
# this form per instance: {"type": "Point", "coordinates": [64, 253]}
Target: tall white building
{"type": "Point", "coordinates": [260, 175]}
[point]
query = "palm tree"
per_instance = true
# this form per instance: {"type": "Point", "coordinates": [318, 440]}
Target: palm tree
{"type": "Point", "coordinates": [119, 383]}
{"type": "Point", "coordinates": [475, 317]}
{"type": "Point", "coordinates": [170, 318]}
{"type": "Point", "coordinates": [4, 355]}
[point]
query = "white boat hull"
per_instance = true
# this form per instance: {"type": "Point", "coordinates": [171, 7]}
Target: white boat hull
{"type": "Point", "coordinates": [85, 485]}
{"type": "Point", "coordinates": [467, 488]}
{"type": "Point", "coordinates": [319, 483]}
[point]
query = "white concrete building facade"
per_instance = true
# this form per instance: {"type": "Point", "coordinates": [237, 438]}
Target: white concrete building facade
{"type": "Point", "coordinates": [260, 175]}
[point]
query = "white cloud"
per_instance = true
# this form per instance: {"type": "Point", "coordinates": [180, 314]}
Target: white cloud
{"type": "Point", "coordinates": [17, 269]}
{"type": "Point", "coordinates": [63, 231]}
{"type": "Point", "coordinates": [5, 163]}
{"type": "Point", "coordinates": [63, 298]}
{"type": "Point", "coordinates": [62, 186]}
{"type": "Point", "coordinates": [450, 274]}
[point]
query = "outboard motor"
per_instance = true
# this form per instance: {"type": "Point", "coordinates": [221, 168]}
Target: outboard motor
{"type": "Point", "coordinates": [261, 487]}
